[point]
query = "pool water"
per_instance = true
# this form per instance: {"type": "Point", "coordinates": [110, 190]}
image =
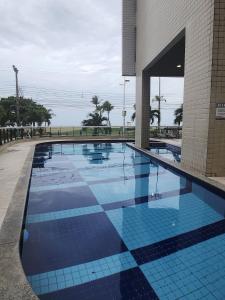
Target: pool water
{"type": "Point", "coordinates": [169, 152]}
{"type": "Point", "coordinates": [107, 222]}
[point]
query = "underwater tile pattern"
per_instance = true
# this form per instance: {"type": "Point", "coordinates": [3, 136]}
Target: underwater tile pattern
{"type": "Point", "coordinates": [135, 188]}
{"type": "Point", "coordinates": [75, 275]}
{"type": "Point", "coordinates": [174, 213]}
{"type": "Point", "coordinates": [64, 242]}
{"type": "Point", "coordinates": [196, 272]}
{"type": "Point", "coordinates": [63, 214]}
{"type": "Point", "coordinates": [106, 222]}
{"type": "Point", "coordinates": [60, 199]}
{"type": "Point", "coordinates": [128, 285]}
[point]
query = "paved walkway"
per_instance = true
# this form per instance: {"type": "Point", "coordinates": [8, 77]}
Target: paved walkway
{"type": "Point", "coordinates": [175, 142]}
{"type": "Point", "coordinates": [11, 163]}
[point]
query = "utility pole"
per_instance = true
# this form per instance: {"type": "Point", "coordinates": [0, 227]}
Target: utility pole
{"type": "Point", "coordinates": [159, 99]}
{"type": "Point", "coordinates": [17, 97]}
{"type": "Point", "coordinates": [124, 113]}
{"type": "Point", "coordinates": [159, 123]}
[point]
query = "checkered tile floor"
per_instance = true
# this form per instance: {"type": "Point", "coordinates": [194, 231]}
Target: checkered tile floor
{"type": "Point", "coordinates": [105, 222]}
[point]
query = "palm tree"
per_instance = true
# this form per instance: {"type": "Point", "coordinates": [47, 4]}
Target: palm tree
{"type": "Point", "coordinates": [95, 120]}
{"type": "Point", "coordinates": [108, 107]}
{"type": "Point", "coordinates": [96, 102]}
{"type": "Point", "coordinates": [178, 115]}
{"type": "Point", "coordinates": [154, 113]}
{"type": "Point", "coordinates": [159, 99]}
{"type": "Point", "coordinates": [134, 113]}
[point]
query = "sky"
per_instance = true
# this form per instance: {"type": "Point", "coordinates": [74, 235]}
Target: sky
{"type": "Point", "coordinates": [68, 51]}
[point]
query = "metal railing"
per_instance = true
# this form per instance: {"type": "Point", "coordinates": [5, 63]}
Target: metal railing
{"type": "Point", "coordinates": [8, 134]}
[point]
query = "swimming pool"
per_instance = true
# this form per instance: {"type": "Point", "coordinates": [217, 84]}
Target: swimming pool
{"type": "Point", "coordinates": [105, 221]}
{"type": "Point", "coordinates": [167, 151]}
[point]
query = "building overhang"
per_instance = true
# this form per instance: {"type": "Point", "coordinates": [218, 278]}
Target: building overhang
{"type": "Point", "coordinates": [170, 62]}
{"type": "Point", "coordinates": [129, 38]}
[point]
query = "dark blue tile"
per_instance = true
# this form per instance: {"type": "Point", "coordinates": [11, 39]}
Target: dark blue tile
{"type": "Point", "coordinates": [127, 285]}
{"type": "Point", "coordinates": [62, 243]}
{"type": "Point", "coordinates": [55, 200]}
{"type": "Point", "coordinates": [163, 248]}
{"type": "Point", "coordinates": [66, 176]}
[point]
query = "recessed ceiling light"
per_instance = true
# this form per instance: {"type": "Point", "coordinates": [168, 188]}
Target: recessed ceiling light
{"type": "Point", "coordinates": [179, 66]}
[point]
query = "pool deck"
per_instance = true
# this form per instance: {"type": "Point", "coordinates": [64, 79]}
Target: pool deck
{"type": "Point", "coordinates": [15, 168]}
{"type": "Point", "coordinates": [178, 143]}
{"type": "Point", "coordinates": [12, 159]}
{"type": "Point", "coordinates": [174, 142]}
{"type": "Point", "coordinates": [220, 180]}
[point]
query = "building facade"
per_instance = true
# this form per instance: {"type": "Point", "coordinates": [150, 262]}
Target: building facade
{"type": "Point", "coordinates": [159, 36]}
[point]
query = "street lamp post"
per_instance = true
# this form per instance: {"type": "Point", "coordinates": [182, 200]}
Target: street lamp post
{"type": "Point", "coordinates": [17, 96]}
{"type": "Point", "coordinates": [124, 113]}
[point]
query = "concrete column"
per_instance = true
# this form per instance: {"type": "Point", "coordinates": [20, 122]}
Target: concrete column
{"type": "Point", "coordinates": [142, 111]}
{"type": "Point", "coordinates": [216, 133]}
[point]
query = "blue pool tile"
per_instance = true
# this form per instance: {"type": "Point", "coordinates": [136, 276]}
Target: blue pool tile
{"type": "Point", "coordinates": [179, 242]}
{"type": "Point", "coordinates": [197, 272]}
{"type": "Point", "coordinates": [145, 199]}
{"type": "Point", "coordinates": [139, 226]}
{"type": "Point", "coordinates": [116, 172]}
{"type": "Point", "coordinates": [174, 228]}
{"type": "Point", "coordinates": [79, 274]}
{"type": "Point", "coordinates": [57, 178]}
{"type": "Point", "coordinates": [135, 188]}
{"type": "Point", "coordinates": [62, 243]}
{"type": "Point", "coordinates": [50, 187]}
{"type": "Point", "coordinates": [63, 214]}
{"type": "Point", "coordinates": [126, 285]}
{"type": "Point", "coordinates": [48, 201]}
{"type": "Point", "coordinates": [42, 163]}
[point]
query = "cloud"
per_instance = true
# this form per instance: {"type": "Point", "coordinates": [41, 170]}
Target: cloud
{"type": "Point", "coordinates": [66, 45]}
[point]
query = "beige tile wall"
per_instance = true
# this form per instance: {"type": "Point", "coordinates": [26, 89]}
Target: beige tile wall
{"type": "Point", "coordinates": [158, 23]}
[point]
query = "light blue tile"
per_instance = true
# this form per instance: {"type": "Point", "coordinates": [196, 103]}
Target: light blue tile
{"type": "Point", "coordinates": [117, 172]}
{"type": "Point", "coordinates": [134, 188]}
{"type": "Point", "coordinates": [152, 222]}
{"type": "Point", "coordinates": [185, 280]}
{"type": "Point", "coordinates": [63, 214]}
{"type": "Point", "coordinates": [79, 274]}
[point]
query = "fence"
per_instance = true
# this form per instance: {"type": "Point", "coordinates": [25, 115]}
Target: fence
{"type": "Point", "coordinates": [8, 134]}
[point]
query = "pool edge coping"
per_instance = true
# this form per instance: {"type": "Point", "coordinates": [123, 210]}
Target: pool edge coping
{"type": "Point", "coordinates": [177, 167]}
{"type": "Point", "coordinates": [13, 282]}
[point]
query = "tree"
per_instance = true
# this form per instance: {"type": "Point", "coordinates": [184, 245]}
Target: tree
{"type": "Point", "coordinates": [178, 115]}
{"type": "Point", "coordinates": [134, 113]}
{"type": "Point", "coordinates": [159, 99]}
{"type": "Point", "coordinates": [108, 107]}
{"type": "Point", "coordinates": [96, 102]}
{"type": "Point", "coordinates": [3, 116]}
{"type": "Point", "coordinates": [154, 113]}
{"type": "Point", "coordinates": [31, 113]}
{"type": "Point", "coordinates": [95, 120]}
